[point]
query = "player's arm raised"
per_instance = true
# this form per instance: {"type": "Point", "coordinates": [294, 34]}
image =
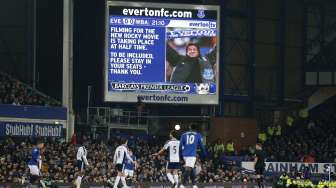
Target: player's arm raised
{"type": "Point", "coordinates": [160, 152]}
{"type": "Point", "coordinates": [172, 56]}
{"type": "Point", "coordinates": [163, 149]}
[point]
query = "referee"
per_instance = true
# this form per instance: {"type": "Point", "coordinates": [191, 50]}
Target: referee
{"type": "Point", "coordinates": [259, 164]}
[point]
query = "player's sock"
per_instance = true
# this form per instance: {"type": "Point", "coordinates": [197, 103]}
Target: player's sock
{"type": "Point", "coordinates": [170, 177]}
{"type": "Point", "coordinates": [116, 182]}
{"type": "Point", "coordinates": [33, 179]}
{"type": "Point", "coordinates": [176, 178]}
{"type": "Point", "coordinates": [185, 176]}
{"type": "Point", "coordinates": [23, 180]}
{"type": "Point", "coordinates": [110, 183]}
{"type": "Point", "coordinates": [262, 182]}
{"type": "Point", "coordinates": [123, 181]}
{"type": "Point", "coordinates": [259, 182]}
{"type": "Point", "coordinates": [193, 177]}
{"type": "Point", "coordinates": [128, 181]}
{"type": "Point", "coordinates": [78, 181]}
{"type": "Point", "coordinates": [42, 183]}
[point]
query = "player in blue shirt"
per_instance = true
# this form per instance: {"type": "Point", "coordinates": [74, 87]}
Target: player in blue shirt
{"type": "Point", "coordinates": [130, 166]}
{"type": "Point", "coordinates": [35, 164]}
{"type": "Point", "coordinates": [190, 141]}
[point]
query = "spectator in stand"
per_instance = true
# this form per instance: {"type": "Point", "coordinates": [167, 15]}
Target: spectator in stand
{"type": "Point", "coordinates": [311, 124]}
{"type": "Point", "coordinates": [262, 137]}
{"type": "Point", "coordinates": [230, 148]}
{"type": "Point", "coordinates": [309, 158]}
{"type": "Point", "coordinates": [16, 101]}
{"type": "Point", "coordinates": [270, 130]}
{"type": "Point", "coordinates": [278, 130]}
{"type": "Point", "coordinates": [14, 92]}
{"type": "Point", "coordinates": [74, 139]}
{"type": "Point", "coordinates": [218, 149]}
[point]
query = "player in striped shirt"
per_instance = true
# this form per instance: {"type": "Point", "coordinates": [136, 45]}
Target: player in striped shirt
{"type": "Point", "coordinates": [82, 163]}
{"type": "Point", "coordinates": [120, 155]}
{"type": "Point", "coordinates": [173, 164]}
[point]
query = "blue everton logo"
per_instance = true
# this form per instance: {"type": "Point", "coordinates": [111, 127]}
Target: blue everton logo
{"type": "Point", "coordinates": [208, 74]}
{"type": "Point", "coordinates": [200, 13]}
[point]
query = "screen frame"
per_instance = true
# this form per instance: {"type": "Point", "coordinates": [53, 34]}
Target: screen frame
{"type": "Point", "coordinates": [131, 97]}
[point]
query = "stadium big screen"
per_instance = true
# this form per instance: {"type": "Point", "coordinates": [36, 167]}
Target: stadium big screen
{"type": "Point", "coordinates": [161, 53]}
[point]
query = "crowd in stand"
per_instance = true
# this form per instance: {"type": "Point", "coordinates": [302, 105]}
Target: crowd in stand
{"type": "Point", "coordinates": [314, 142]}
{"type": "Point", "coordinates": [15, 92]}
{"type": "Point", "coordinates": [310, 139]}
{"type": "Point", "coordinates": [59, 162]}
{"type": "Point", "coordinates": [306, 140]}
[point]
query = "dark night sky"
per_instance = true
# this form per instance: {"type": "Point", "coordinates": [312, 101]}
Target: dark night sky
{"type": "Point", "coordinates": [88, 48]}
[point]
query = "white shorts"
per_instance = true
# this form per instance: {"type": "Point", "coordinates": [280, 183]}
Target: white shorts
{"type": "Point", "coordinates": [34, 170]}
{"type": "Point", "coordinates": [128, 172]}
{"type": "Point", "coordinates": [190, 161]}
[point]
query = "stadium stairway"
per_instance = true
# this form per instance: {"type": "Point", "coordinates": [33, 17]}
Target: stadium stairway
{"type": "Point", "coordinates": [320, 96]}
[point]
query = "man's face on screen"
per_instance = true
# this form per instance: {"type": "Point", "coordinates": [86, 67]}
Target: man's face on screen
{"type": "Point", "coordinates": [192, 51]}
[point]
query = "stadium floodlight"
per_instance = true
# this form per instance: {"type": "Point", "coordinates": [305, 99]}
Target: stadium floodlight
{"type": "Point", "coordinates": [177, 127]}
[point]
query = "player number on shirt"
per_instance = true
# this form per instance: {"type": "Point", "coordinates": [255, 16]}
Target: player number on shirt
{"type": "Point", "coordinates": [190, 139]}
{"type": "Point", "coordinates": [174, 149]}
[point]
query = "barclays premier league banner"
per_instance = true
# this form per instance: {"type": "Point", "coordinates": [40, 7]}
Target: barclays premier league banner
{"type": "Point", "coordinates": [162, 53]}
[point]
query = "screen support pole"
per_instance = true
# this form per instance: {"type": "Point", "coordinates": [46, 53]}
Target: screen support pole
{"type": "Point", "coordinates": [67, 98]}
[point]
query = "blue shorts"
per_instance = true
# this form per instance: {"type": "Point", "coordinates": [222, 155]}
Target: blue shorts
{"type": "Point", "coordinates": [80, 165]}
{"type": "Point", "coordinates": [173, 166]}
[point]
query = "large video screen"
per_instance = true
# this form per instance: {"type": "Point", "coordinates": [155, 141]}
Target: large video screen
{"type": "Point", "coordinates": [161, 53]}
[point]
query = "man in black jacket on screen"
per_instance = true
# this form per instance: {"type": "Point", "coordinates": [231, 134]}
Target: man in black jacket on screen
{"type": "Point", "coordinates": [188, 69]}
